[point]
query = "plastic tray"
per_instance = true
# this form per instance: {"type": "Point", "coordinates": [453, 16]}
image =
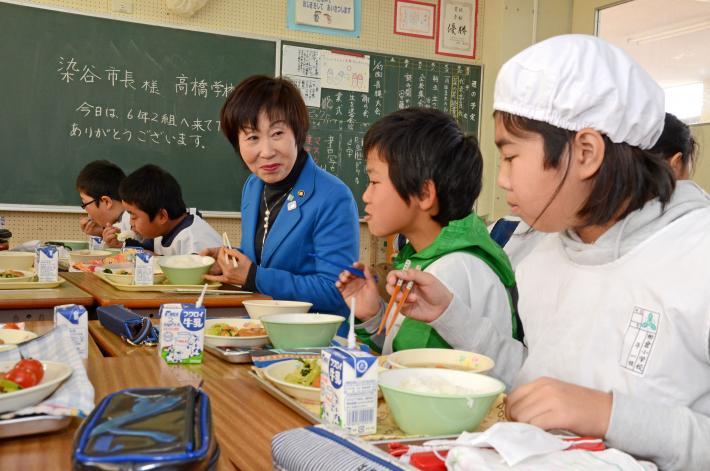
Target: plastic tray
{"type": "Point", "coordinates": [31, 284]}
{"type": "Point", "coordinates": [160, 287]}
{"type": "Point", "coordinates": [31, 425]}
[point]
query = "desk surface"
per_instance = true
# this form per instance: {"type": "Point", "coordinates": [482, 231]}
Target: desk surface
{"type": "Point", "coordinates": [66, 293]}
{"type": "Point", "coordinates": [245, 417]}
{"type": "Point", "coordinates": [105, 295]}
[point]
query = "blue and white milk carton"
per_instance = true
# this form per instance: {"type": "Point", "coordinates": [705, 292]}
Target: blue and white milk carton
{"type": "Point", "coordinates": [75, 318]}
{"type": "Point", "coordinates": [47, 263]}
{"type": "Point", "coordinates": [143, 268]}
{"type": "Point", "coordinates": [182, 333]}
{"type": "Point", "coordinates": [96, 242]}
{"type": "Point", "coordinates": [348, 390]}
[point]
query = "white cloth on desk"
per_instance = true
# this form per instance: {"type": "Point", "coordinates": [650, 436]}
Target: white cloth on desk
{"type": "Point", "coordinates": [191, 239]}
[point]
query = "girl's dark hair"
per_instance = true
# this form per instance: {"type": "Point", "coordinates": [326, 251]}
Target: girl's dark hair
{"type": "Point", "coordinates": [677, 138]}
{"type": "Point", "coordinates": [627, 178]}
{"type": "Point", "coordinates": [277, 97]}
{"type": "Point", "coordinates": [420, 144]}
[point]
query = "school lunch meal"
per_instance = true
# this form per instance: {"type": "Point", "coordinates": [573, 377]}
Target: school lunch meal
{"type": "Point", "coordinates": [10, 274]}
{"type": "Point", "coordinates": [250, 329]}
{"type": "Point", "coordinates": [24, 374]}
{"type": "Point", "coordinates": [307, 374]}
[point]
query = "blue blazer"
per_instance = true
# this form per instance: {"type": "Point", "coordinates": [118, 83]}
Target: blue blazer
{"type": "Point", "coordinates": [323, 221]}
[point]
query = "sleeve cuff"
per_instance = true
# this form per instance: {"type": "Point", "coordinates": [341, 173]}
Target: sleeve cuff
{"type": "Point", "coordinates": [372, 324]}
{"type": "Point", "coordinates": [250, 283]}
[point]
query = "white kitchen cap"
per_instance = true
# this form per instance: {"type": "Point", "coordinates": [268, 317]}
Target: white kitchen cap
{"type": "Point", "coordinates": [576, 81]}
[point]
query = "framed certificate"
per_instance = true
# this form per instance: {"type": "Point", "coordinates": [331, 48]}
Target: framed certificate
{"type": "Point", "coordinates": [457, 27]}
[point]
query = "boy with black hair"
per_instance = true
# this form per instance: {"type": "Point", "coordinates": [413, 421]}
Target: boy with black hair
{"type": "Point", "coordinates": [97, 184]}
{"type": "Point", "coordinates": [425, 176]}
{"type": "Point", "coordinates": [153, 198]}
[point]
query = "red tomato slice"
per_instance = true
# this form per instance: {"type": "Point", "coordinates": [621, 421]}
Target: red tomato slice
{"type": "Point", "coordinates": [33, 365]}
{"type": "Point", "coordinates": [23, 377]}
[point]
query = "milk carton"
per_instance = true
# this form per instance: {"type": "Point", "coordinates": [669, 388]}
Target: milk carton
{"type": "Point", "coordinates": [76, 319]}
{"type": "Point", "coordinates": [96, 242]}
{"type": "Point", "coordinates": [47, 263]}
{"type": "Point", "coordinates": [348, 390]}
{"type": "Point", "coordinates": [143, 268]}
{"type": "Point", "coordinates": [182, 333]}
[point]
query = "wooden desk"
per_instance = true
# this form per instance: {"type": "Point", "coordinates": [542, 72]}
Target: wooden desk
{"type": "Point", "coordinates": [38, 304]}
{"type": "Point", "coordinates": [222, 305]}
{"type": "Point", "coordinates": [245, 417]}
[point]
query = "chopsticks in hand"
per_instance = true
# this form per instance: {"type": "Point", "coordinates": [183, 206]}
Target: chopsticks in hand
{"type": "Point", "coordinates": [225, 242]}
{"type": "Point", "coordinates": [405, 293]}
{"type": "Point", "coordinates": [397, 288]}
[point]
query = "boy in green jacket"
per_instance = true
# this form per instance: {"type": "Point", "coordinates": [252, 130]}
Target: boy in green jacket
{"type": "Point", "coordinates": [425, 176]}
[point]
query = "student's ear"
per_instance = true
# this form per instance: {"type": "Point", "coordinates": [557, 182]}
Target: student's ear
{"type": "Point", "coordinates": [676, 163]}
{"type": "Point", "coordinates": [107, 201]}
{"type": "Point", "coordinates": [588, 152]}
{"type": "Point", "coordinates": [162, 216]}
{"type": "Point", "coordinates": [427, 199]}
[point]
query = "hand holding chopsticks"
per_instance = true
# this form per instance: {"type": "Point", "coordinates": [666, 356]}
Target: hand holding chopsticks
{"type": "Point", "coordinates": [428, 299]}
{"type": "Point", "coordinates": [225, 242]}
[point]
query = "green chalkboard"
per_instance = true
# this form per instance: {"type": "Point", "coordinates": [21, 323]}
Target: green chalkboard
{"type": "Point", "coordinates": [340, 116]}
{"type": "Point", "coordinates": [76, 88]}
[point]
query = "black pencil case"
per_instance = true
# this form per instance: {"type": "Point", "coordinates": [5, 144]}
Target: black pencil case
{"type": "Point", "coordinates": [148, 429]}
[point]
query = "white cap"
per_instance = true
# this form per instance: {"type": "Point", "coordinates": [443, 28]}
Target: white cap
{"type": "Point", "coordinates": [576, 81]}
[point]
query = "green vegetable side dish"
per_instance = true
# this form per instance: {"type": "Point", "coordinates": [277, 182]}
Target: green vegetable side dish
{"type": "Point", "coordinates": [116, 272]}
{"type": "Point", "coordinates": [7, 386]}
{"type": "Point", "coordinates": [307, 375]}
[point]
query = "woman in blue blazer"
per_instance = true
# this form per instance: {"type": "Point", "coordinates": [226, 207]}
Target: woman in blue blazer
{"type": "Point", "coordinates": [291, 208]}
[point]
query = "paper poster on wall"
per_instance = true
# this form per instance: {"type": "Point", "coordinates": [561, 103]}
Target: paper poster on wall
{"type": "Point", "coordinates": [338, 17]}
{"type": "Point", "coordinates": [412, 18]}
{"type": "Point", "coordinates": [309, 87]}
{"type": "Point", "coordinates": [345, 71]}
{"type": "Point", "coordinates": [301, 61]}
{"type": "Point", "coordinates": [458, 22]}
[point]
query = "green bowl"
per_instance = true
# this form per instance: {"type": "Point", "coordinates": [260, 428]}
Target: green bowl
{"type": "Point", "coordinates": [301, 330]}
{"type": "Point", "coordinates": [435, 401]}
{"type": "Point", "coordinates": [185, 269]}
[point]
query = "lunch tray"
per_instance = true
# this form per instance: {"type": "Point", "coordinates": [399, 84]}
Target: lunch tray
{"type": "Point", "coordinates": [163, 287]}
{"type": "Point", "coordinates": [387, 429]}
{"type": "Point", "coordinates": [31, 284]}
{"type": "Point", "coordinates": [30, 425]}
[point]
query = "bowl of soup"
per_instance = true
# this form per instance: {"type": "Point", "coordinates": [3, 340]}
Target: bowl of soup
{"type": "Point", "coordinates": [440, 358]}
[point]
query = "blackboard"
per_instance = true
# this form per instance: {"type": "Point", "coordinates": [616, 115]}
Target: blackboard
{"type": "Point", "coordinates": [341, 117]}
{"type": "Point", "coordinates": [76, 88]}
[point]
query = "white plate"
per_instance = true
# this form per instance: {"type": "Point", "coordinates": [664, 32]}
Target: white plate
{"type": "Point", "coordinates": [26, 276]}
{"type": "Point", "coordinates": [276, 372]}
{"type": "Point", "coordinates": [240, 342]}
{"type": "Point", "coordinates": [11, 337]}
{"type": "Point", "coordinates": [54, 374]}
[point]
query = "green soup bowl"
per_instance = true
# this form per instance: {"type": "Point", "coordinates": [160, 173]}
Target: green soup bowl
{"type": "Point", "coordinates": [185, 269]}
{"type": "Point", "coordinates": [301, 330]}
{"type": "Point", "coordinates": [435, 401]}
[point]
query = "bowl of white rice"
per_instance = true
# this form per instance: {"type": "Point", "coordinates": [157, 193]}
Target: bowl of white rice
{"type": "Point", "coordinates": [185, 269]}
{"type": "Point", "coordinates": [434, 401]}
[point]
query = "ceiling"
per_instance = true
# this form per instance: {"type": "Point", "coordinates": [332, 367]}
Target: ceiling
{"type": "Point", "coordinates": [670, 39]}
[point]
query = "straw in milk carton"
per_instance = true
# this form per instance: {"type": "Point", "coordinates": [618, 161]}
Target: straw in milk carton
{"type": "Point", "coordinates": [75, 318]}
{"type": "Point", "coordinates": [348, 390]}
{"type": "Point", "coordinates": [47, 263]}
{"type": "Point", "coordinates": [143, 268]}
{"type": "Point", "coordinates": [182, 329]}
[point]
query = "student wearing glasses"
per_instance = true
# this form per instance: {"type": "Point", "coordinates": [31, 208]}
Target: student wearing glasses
{"type": "Point", "coordinates": [291, 208]}
{"type": "Point", "coordinates": [97, 184]}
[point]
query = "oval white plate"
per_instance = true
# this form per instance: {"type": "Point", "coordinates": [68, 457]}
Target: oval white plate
{"type": "Point", "coordinates": [11, 337]}
{"type": "Point", "coordinates": [276, 372]}
{"type": "Point", "coordinates": [26, 276]}
{"type": "Point", "coordinates": [241, 342]}
{"type": "Point", "coordinates": [54, 374]}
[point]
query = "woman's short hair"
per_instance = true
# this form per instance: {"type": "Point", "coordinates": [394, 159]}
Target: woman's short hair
{"type": "Point", "coordinates": [278, 97]}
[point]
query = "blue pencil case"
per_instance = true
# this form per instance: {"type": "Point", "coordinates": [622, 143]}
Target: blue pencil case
{"type": "Point", "coordinates": [133, 328]}
{"type": "Point", "coordinates": [148, 429]}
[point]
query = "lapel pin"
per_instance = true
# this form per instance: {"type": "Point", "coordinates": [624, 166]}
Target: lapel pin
{"type": "Point", "coordinates": [301, 193]}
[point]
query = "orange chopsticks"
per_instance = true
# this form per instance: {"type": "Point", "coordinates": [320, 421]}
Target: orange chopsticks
{"type": "Point", "coordinates": [388, 312]}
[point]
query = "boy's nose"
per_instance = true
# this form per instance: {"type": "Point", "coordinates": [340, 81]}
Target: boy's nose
{"type": "Point", "coordinates": [503, 180]}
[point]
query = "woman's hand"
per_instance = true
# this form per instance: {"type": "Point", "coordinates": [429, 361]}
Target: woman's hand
{"type": "Point", "coordinates": [363, 289]}
{"type": "Point", "coordinates": [89, 227]}
{"type": "Point", "coordinates": [110, 237]}
{"type": "Point", "coordinates": [553, 404]}
{"type": "Point", "coordinates": [224, 270]}
{"type": "Point", "coordinates": [428, 298]}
